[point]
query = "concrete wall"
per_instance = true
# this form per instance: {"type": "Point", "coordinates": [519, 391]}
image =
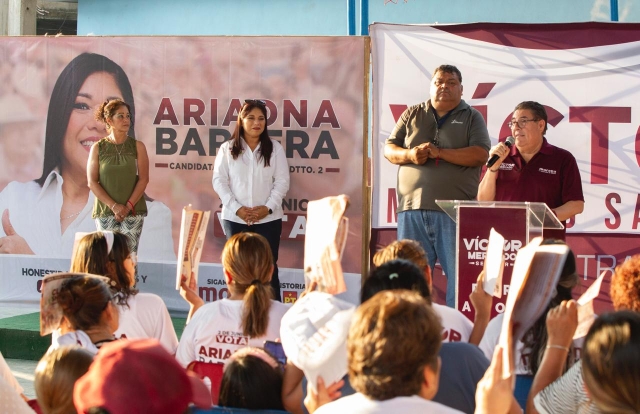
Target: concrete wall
{"type": "Point", "coordinates": [322, 17]}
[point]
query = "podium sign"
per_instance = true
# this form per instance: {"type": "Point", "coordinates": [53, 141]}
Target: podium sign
{"type": "Point", "coordinates": [472, 242]}
{"type": "Point", "coordinates": [517, 222]}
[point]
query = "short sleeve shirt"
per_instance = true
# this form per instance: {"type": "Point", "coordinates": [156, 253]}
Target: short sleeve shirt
{"type": "Point", "coordinates": [215, 332]}
{"type": "Point", "coordinates": [551, 176]}
{"type": "Point", "coordinates": [420, 185]}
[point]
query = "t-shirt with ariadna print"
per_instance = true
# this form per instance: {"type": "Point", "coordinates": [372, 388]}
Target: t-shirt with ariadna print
{"type": "Point", "coordinates": [215, 332]}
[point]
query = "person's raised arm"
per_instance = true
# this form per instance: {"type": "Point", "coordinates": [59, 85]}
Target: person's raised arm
{"type": "Point", "coordinates": [562, 322]}
{"type": "Point", "coordinates": [481, 302]}
{"type": "Point", "coordinates": [494, 394]}
{"type": "Point", "coordinates": [487, 188]}
{"type": "Point", "coordinates": [292, 388]}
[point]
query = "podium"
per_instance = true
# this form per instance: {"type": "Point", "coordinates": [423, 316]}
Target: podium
{"type": "Point", "coordinates": [518, 222]}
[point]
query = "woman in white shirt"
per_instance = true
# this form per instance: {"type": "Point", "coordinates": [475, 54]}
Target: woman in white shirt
{"type": "Point", "coordinates": [142, 315]}
{"type": "Point", "coordinates": [251, 177]}
{"type": "Point", "coordinates": [247, 317]}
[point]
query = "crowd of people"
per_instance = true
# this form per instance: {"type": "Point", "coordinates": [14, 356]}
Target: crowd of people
{"type": "Point", "coordinates": [115, 350]}
{"type": "Point", "coordinates": [112, 355]}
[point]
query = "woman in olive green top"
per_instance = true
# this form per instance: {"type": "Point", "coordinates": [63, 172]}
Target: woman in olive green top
{"type": "Point", "coordinates": [118, 173]}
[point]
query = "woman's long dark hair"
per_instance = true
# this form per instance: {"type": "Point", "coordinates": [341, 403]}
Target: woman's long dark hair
{"type": "Point", "coordinates": [92, 256]}
{"type": "Point", "coordinates": [266, 146]}
{"type": "Point", "coordinates": [249, 382]}
{"type": "Point", "coordinates": [536, 337]}
{"type": "Point", "coordinates": [63, 98]}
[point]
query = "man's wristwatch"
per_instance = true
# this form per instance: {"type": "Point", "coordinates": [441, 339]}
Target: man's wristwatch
{"type": "Point", "coordinates": [270, 211]}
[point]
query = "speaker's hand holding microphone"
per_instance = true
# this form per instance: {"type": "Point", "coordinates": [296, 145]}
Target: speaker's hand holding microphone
{"type": "Point", "coordinates": [500, 152]}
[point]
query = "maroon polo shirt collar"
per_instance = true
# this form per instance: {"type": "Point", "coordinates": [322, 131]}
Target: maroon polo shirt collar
{"type": "Point", "coordinates": [546, 149]}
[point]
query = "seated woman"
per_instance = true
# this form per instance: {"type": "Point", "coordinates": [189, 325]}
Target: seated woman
{"type": "Point", "coordinates": [56, 374]}
{"type": "Point", "coordinates": [551, 390]}
{"type": "Point", "coordinates": [247, 317]}
{"type": "Point", "coordinates": [463, 364]}
{"type": "Point", "coordinates": [253, 380]}
{"type": "Point", "coordinates": [89, 315]}
{"type": "Point", "coordinates": [611, 362]}
{"type": "Point", "coordinates": [530, 350]}
{"type": "Point", "coordinates": [142, 315]}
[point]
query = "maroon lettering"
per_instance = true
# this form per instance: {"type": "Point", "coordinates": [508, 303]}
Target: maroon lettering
{"type": "Point", "coordinates": [232, 113]}
{"type": "Point", "coordinates": [214, 112]}
{"type": "Point", "coordinates": [166, 113]}
{"type": "Point", "coordinates": [195, 114]}
{"type": "Point", "coordinates": [636, 214]}
{"type": "Point", "coordinates": [483, 111]}
{"type": "Point", "coordinates": [272, 112]}
{"type": "Point", "coordinates": [326, 115]}
{"type": "Point", "coordinates": [397, 110]}
{"type": "Point", "coordinates": [482, 90]}
{"type": "Point", "coordinates": [571, 221]}
{"type": "Point", "coordinates": [455, 336]}
{"type": "Point", "coordinates": [392, 205]}
{"type": "Point", "coordinates": [289, 110]}
{"type": "Point", "coordinates": [600, 117]}
{"type": "Point", "coordinates": [614, 223]}
{"type": "Point", "coordinates": [202, 351]}
{"type": "Point", "coordinates": [553, 118]}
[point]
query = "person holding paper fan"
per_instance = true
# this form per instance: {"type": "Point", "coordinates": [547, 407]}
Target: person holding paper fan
{"type": "Point", "coordinates": [251, 177]}
{"type": "Point", "coordinates": [456, 326]}
{"type": "Point", "coordinates": [534, 170]}
{"type": "Point", "coordinates": [531, 349]}
{"type": "Point", "coordinates": [392, 351]}
{"type": "Point", "coordinates": [248, 316]}
{"type": "Point", "coordinates": [463, 364]}
{"type": "Point", "coordinates": [553, 392]}
{"type": "Point", "coordinates": [142, 315]}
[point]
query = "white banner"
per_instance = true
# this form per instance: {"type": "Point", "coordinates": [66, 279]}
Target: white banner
{"type": "Point", "coordinates": [586, 75]}
{"type": "Point", "coordinates": [21, 281]}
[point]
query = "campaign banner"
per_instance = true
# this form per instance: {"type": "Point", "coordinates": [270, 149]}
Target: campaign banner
{"type": "Point", "coordinates": [474, 228]}
{"type": "Point", "coordinates": [583, 73]}
{"type": "Point", "coordinates": [185, 94]}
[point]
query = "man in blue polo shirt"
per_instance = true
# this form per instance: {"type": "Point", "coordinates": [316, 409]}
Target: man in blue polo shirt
{"type": "Point", "coordinates": [534, 170]}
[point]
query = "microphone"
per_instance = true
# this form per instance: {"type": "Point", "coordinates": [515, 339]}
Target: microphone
{"type": "Point", "coordinates": [509, 143]}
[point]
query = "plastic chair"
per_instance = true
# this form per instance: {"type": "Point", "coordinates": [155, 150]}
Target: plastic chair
{"type": "Point", "coordinates": [211, 371]}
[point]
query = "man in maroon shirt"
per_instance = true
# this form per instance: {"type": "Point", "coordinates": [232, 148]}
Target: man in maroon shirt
{"type": "Point", "coordinates": [534, 170]}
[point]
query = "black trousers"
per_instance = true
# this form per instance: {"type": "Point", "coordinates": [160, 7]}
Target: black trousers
{"type": "Point", "coordinates": [270, 231]}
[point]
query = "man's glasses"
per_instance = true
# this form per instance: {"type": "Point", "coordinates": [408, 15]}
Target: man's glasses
{"type": "Point", "coordinates": [521, 123]}
{"type": "Point", "coordinates": [255, 102]}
